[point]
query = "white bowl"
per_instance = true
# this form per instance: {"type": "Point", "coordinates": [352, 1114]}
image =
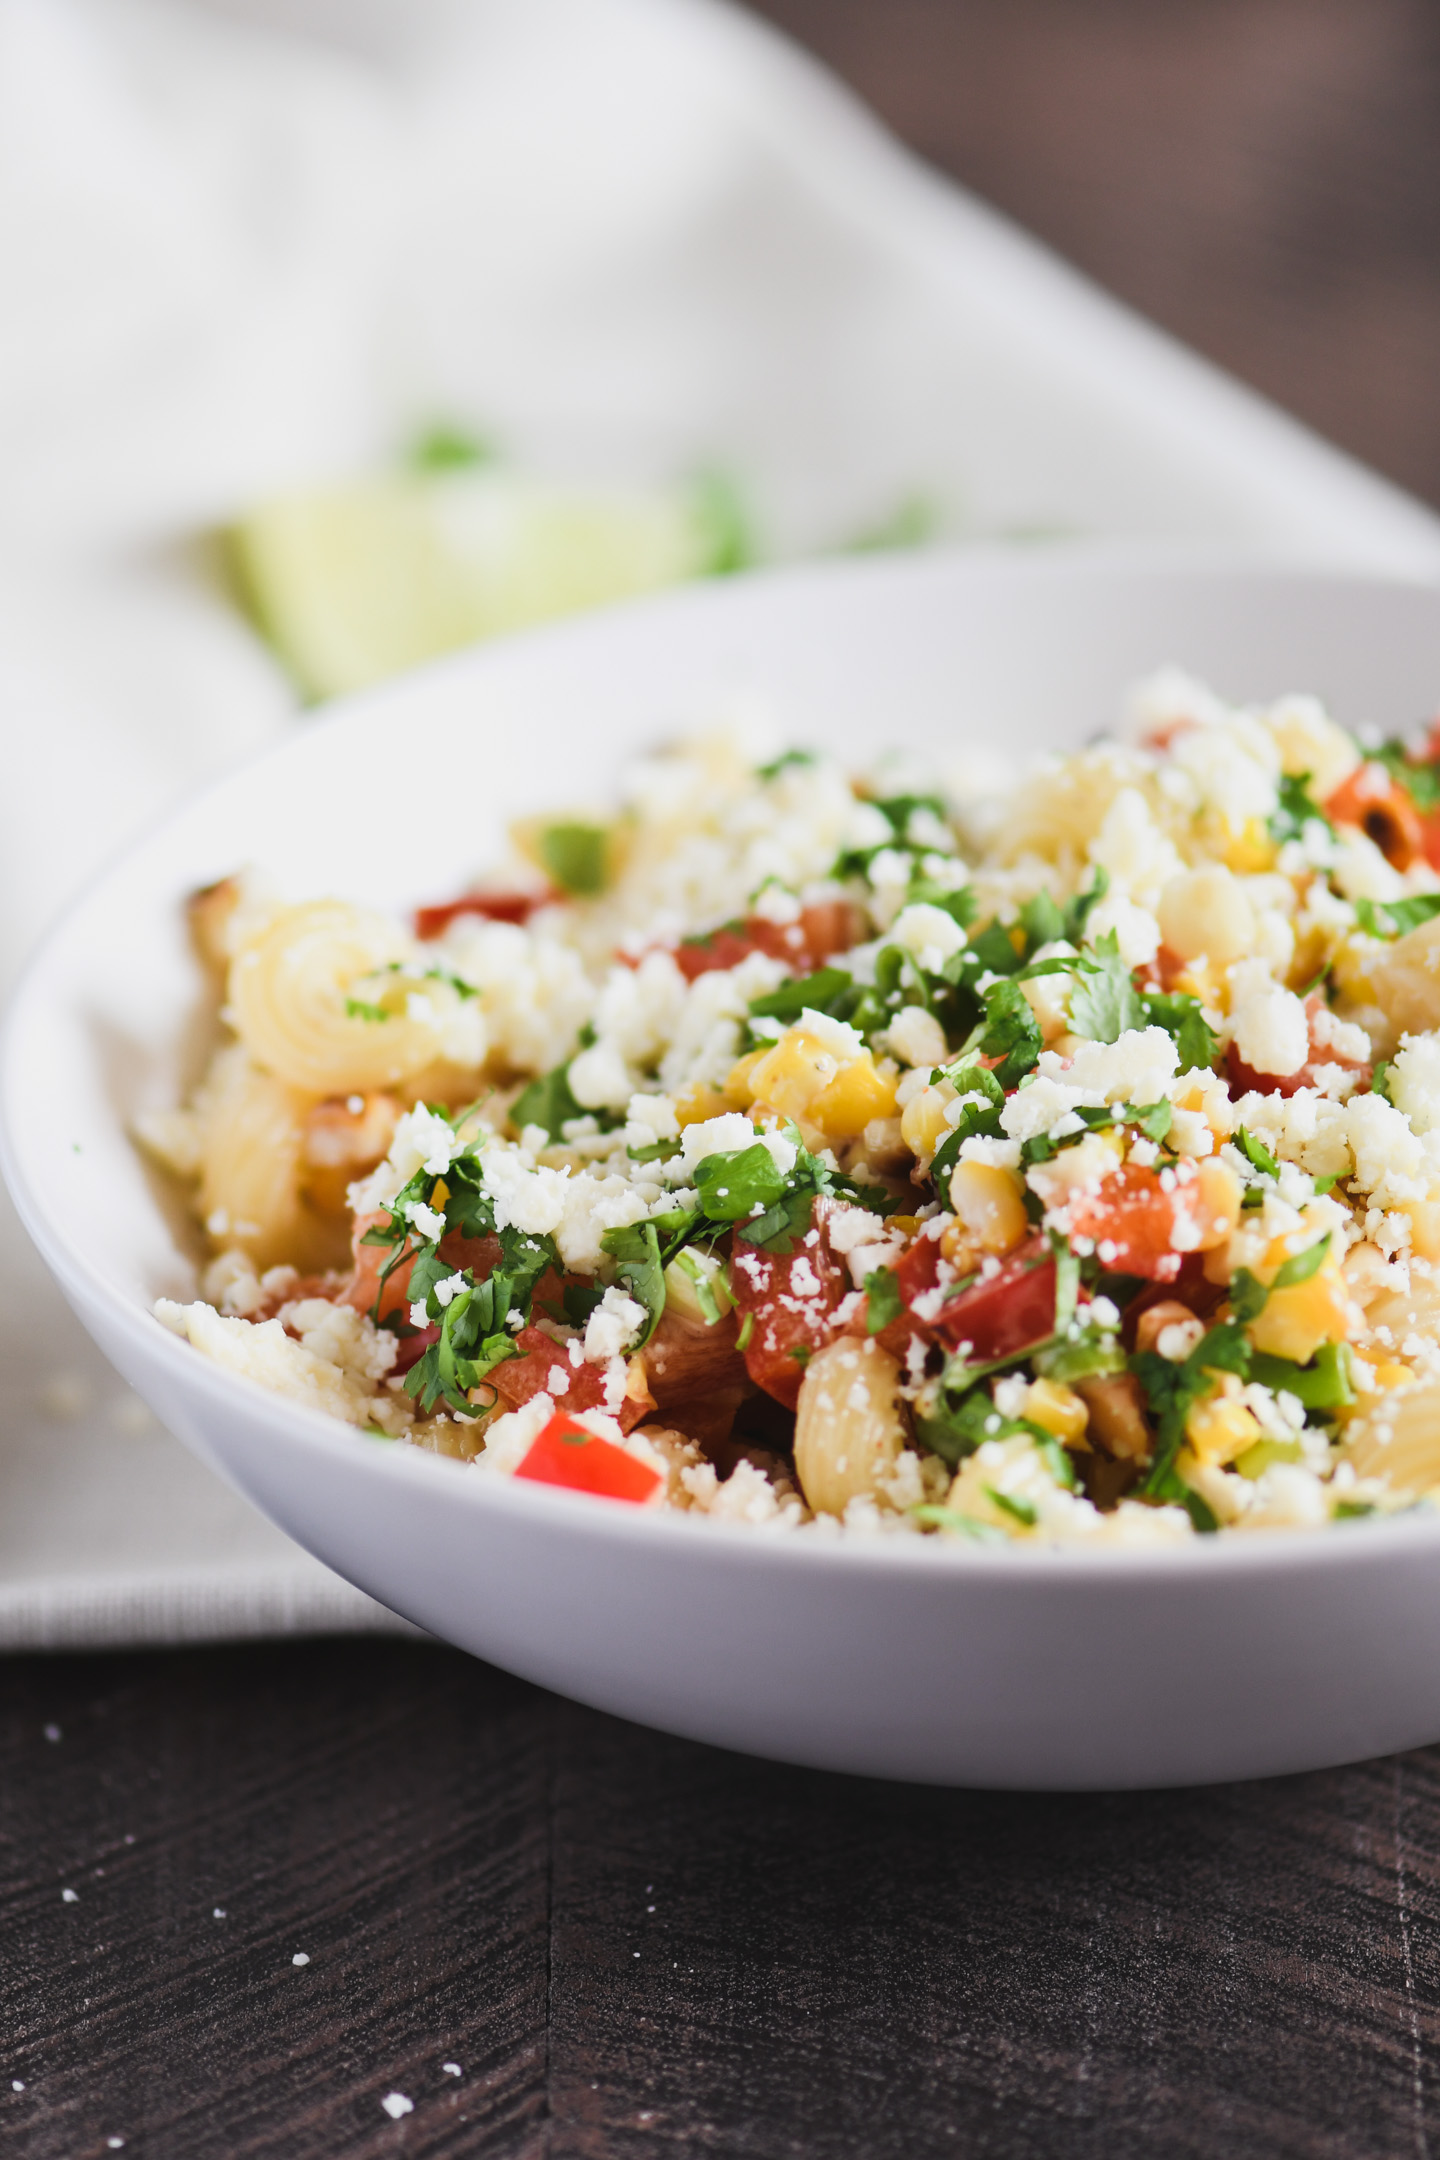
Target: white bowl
{"type": "Point", "coordinates": [905, 1658]}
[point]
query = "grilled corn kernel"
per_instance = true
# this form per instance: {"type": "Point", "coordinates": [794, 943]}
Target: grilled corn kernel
{"type": "Point", "coordinates": [922, 1121]}
{"type": "Point", "coordinates": [1218, 1430]}
{"type": "Point", "coordinates": [1058, 1408]}
{"type": "Point", "coordinates": [988, 1205]}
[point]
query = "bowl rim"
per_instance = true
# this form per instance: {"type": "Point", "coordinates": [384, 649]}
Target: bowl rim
{"type": "Point", "coordinates": [888, 1556]}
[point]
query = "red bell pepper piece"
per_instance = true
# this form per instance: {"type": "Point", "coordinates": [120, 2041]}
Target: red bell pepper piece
{"type": "Point", "coordinates": [566, 1454]}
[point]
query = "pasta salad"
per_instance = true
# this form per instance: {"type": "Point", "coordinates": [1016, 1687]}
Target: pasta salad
{"type": "Point", "coordinates": [876, 1154]}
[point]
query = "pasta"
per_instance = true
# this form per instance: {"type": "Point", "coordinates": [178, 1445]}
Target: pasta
{"type": "Point", "coordinates": [777, 1148]}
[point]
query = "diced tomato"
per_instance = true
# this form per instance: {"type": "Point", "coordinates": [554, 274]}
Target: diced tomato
{"type": "Point", "coordinates": [1375, 801]}
{"type": "Point", "coordinates": [541, 1367]}
{"type": "Point", "coordinates": [566, 1454]}
{"type": "Point", "coordinates": [1245, 1080]}
{"type": "Point", "coordinates": [790, 1301]}
{"type": "Point", "coordinates": [413, 1348]}
{"type": "Point", "coordinates": [819, 932]}
{"type": "Point", "coordinates": [1133, 1215]}
{"type": "Point", "coordinates": [432, 922]}
{"type": "Point", "coordinates": [477, 1254]}
{"type": "Point", "coordinates": [1007, 1312]}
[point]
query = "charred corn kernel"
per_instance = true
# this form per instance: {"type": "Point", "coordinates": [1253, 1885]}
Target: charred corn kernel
{"type": "Point", "coordinates": [739, 1090]}
{"type": "Point", "coordinates": [1297, 1319]}
{"type": "Point", "coordinates": [1058, 1408]}
{"type": "Point", "coordinates": [1217, 1208]}
{"type": "Point", "coordinates": [1218, 1430]}
{"type": "Point", "coordinates": [922, 1121]}
{"type": "Point", "coordinates": [1424, 1227]}
{"type": "Point", "coordinates": [987, 1203]}
{"type": "Point", "coordinates": [1256, 1460]}
{"type": "Point", "coordinates": [1207, 912]}
{"type": "Point", "coordinates": [860, 1092]}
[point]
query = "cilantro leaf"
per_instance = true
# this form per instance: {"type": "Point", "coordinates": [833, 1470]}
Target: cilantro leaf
{"type": "Point", "coordinates": [738, 1184]}
{"type": "Point", "coordinates": [819, 992]}
{"type": "Point", "coordinates": [547, 1102]}
{"type": "Point", "coordinates": [977, 1119]}
{"type": "Point", "coordinates": [1256, 1153]}
{"type": "Point", "coordinates": [1420, 780]}
{"type": "Point", "coordinates": [883, 1301]}
{"type": "Point", "coordinates": [1021, 1511]}
{"type": "Point", "coordinates": [1171, 1390]}
{"type": "Point", "coordinates": [1009, 1031]}
{"type": "Point", "coordinates": [1392, 918]}
{"type": "Point", "coordinates": [786, 760]}
{"type": "Point", "coordinates": [931, 1515]}
{"type": "Point", "coordinates": [1183, 1018]}
{"type": "Point", "coordinates": [1083, 906]}
{"type": "Point", "coordinates": [358, 1009]}
{"type": "Point", "coordinates": [1295, 808]}
{"type": "Point", "coordinates": [1042, 922]}
{"type": "Point", "coordinates": [1302, 1265]}
{"type": "Point", "coordinates": [1104, 1005]}
{"type": "Point", "coordinates": [994, 950]}
{"type": "Point", "coordinates": [640, 1267]}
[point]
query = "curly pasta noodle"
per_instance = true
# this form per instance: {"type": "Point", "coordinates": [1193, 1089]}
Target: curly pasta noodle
{"type": "Point", "coordinates": [251, 1186]}
{"type": "Point", "coordinates": [318, 1000]}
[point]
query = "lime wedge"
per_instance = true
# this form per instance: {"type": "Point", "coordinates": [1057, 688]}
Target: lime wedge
{"type": "Point", "coordinates": [354, 583]}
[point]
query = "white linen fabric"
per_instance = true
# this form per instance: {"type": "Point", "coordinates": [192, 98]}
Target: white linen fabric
{"type": "Point", "coordinates": [247, 244]}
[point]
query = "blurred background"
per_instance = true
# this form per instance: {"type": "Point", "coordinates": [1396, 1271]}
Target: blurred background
{"type": "Point", "coordinates": [337, 334]}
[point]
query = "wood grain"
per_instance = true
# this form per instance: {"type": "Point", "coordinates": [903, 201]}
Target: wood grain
{"type": "Point", "coordinates": [1261, 176]}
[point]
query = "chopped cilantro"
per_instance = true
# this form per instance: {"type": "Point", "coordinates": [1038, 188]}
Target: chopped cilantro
{"type": "Point", "coordinates": [1104, 1005]}
{"type": "Point", "coordinates": [786, 761]}
{"type": "Point", "coordinates": [1295, 808]}
{"type": "Point", "coordinates": [994, 950]}
{"type": "Point", "coordinates": [1392, 918]}
{"type": "Point", "coordinates": [1380, 1081]}
{"type": "Point", "coordinates": [1081, 908]}
{"type": "Point", "coordinates": [547, 1102]}
{"type": "Point", "coordinates": [884, 1302]}
{"type": "Point", "coordinates": [739, 1184]}
{"type": "Point", "coordinates": [1256, 1153]}
{"type": "Point", "coordinates": [1008, 1031]}
{"type": "Point", "coordinates": [578, 1301]}
{"type": "Point", "coordinates": [1352, 1510]}
{"type": "Point", "coordinates": [932, 1516]}
{"type": "Point", "coordinates": [358, 1009]}
{"type": "Point", "coordinates": [1021, 1511]}
{"type": "Point", "coordinates": [446, 448]}
{"type": "Point", "coordinates": [1042, 923]}
{"type": "Point", "coordinates": [1183, 1018]}
{"type": "Point", "coordinates": [1420, 780]}
{"type": "Point", "coordinates": [638, 1263]}
{"type": "Point", "coordinates": [819, 992]}
{"type": "Point", "coordinates": [1171, 1390]}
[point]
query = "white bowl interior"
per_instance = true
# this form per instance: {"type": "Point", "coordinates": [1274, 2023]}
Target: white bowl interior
{"type": "Point", "coordinates": [401, 795]}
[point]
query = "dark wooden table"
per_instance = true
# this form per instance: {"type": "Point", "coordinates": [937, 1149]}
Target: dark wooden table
{"type": "Point", "coordinates": [629, 1946]}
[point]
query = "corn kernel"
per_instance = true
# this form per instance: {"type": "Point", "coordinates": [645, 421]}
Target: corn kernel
{"type": "Point", "coordinates": [739, 1089]}
{"type": "Point", "coordinates": [1298, 1319]}
{"type": "Point", "coordinates": [1251, 850]}
{"type": "Point", "coordinates": [1256, 1460]}
{"type": "Point", "coordinates": [922, 1121]}
{"type": "Point", "coordinates": [1424, 1227]}
{"type": "Point", "coordinates": [1218, 1430]}
{"type": "Point", "coordinates": [988, 1205]}
{"type": "Point", "coordinates": [1219, 1196]}
{"type": "Point", "coordinates": [1058, 1408]}
{"type": "Point", "coordinates": [858, 1093]}
{"type": "Point", "coordinates": [697, 1103]}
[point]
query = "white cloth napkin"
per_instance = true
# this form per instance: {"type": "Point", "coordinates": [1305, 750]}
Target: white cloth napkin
{"type": "Point", "coordinates": [250, 243]}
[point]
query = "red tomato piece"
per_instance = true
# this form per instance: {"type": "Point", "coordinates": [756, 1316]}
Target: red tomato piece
{"type": "Point", "coordinates": [431, 922]}
{"type": "Point", "coordinates": [1245, 1080]}
{"type": "Point", "coordinates": [413, 1348]}
{"type": "Point", "coordinates": [542, 1364]}
{"type": "Point", "coordinates": [789, 1301]}
{"type": "Point", "coordinates": [566, 1454]}
{"type": "Point", "coordinates": [1132, 1216]}
{"type": "Point", "coordinates": [1007, 1312]}
{"type": "Point", "coordinates": [817, 934]}
{"type": "Point", "coordinates": [1375, 801]}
